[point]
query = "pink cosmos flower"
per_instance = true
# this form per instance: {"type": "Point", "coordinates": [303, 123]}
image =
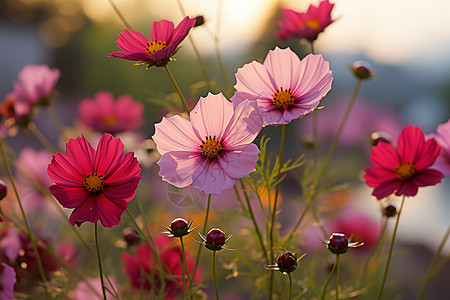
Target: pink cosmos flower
{"type": "Point", "coordinates": [163, 44]}
{"type": "Point", "coordinates": [98, 184]}
{"type": "Point", "coordinates": [213, 149]}
{"type": "Point", "coordinates": [141, 267]}
{"type": "Point", "coordinates": [405, 169]}
{"type": "Point", "coordinates": [103, 114]}
{"type": "Point", "coordinates": [442, 136]}
{"type": "Point", "coordinates": [285, 87]}
{"type": "Point", "coordinates": [305, 25]}
{"type": "Point", "coordinates": [7, 281]}
{"type": "Point", "coordinates": [91, 288]}
{"type": "Point", "coordinates": [35, 85]}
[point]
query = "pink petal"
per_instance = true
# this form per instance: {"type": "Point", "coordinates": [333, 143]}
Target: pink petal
{"type": "Point", "coordinates": [124, 192]}
{"type": "Point", "coordinates": [284, 68]}
{"type": "Point", "coordinates": [69, 197]}
{"type": "Point", "coordinates": [137, 56]}
{"type": "Point", "coordinates": [175, 134]}
{"type": "Point", "coordinates": [109, 152]}
{"type": "Point", "coordinates": [375, 176]}
{"type": "Point", "coordinates": [182, 30]}
{"type": "Point", "coordinates": [386, 188]}
{"type": "Point", "coordinates": [128, 167]}
{"type": "Point", "coordinates": [90, 211]}
{"type": "Point", "coordinates": [64, 171]}
{"type": "Point", "coordinates": [254, 79]}
{"type": "Point", "coordinates": [212, 179]}
{"type": "Point", "coordinates": [178, 167]}
{"type": "Point", "coordinates": [111, 211]}
{"type": "Point", "coordinates": [80, 151]}
{"type": "Point", "coordinates": [427, 177]}
{"type": "Point", "coordinates": [384, 156]}
{"type": "Point", "coordinates": [162, 31]}
{"type": "Point", "coordinates": [411, 139]}
{"type": "Point", "coordinates": [211, 116]}
{"type": "Point", "coordinates": [131, 41]}
{"type": "Point", "coordinates": [427, 155]}
{"type": "Point", "coordinates": [315, 78]}
{"type": "Point", "coordinates": [239, 161]}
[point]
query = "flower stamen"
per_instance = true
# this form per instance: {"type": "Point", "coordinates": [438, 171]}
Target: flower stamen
{"type": "Point", "coordinates": [313, 24]}
{"type": "Point", "coordinates": [155, 46]}
{"type": "Point", "coordinates": [211, 147]}
{"type": "Point", "coordinates": [94, 182]}
{"type": "Point", "coordinates": [283, 98]}
{"type": "Point", "coordinates": [405, 171]}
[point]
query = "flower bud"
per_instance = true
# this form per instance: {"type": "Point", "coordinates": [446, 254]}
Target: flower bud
{"type": "Point", "coordinates": [215, 239]}
{"type": "Point", "coordinates": [389, 210]}
{"type": "Point", "coordinates": [3, 190]}
{"type": "Point", "coordinates": [379, 136]}
{"type": "Point", "coordinates": [199, 21]}
{"type": "Point", "coordinates": [131, 236]}
{"type": "Point", "coordinates": [179, 227]}
{"type": "Point", "coordinates": [287, 262]}
{"type": "Point", "coordinates": [338, 243]}
{"type": "Point", "coordinates": [362, 70]}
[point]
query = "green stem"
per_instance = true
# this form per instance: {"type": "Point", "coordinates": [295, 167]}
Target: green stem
{"type": "Point", "coordinates": [274, 210]}
{"type": "Point", "coordinates": [290, 286]}
{"type": "Point", "coordinates": [238, 196]}
{"type": "Point", "coordinates": [327, 282]}
{"type": "Point", "coordinates": [25, 220]}
{"type": "Point", "coordinates": [255, 224]}
{"type": "Point", "coordinates": [338, 271]}
{"type": "Point", "coordinates": [312, 47]}
{"type": "Point", "coordinates": [119, 14]}
{"type": "Point", "coordinates": [183, 100]}
{"type": "Point", "coordinates": [185, 265]}
{"type": "Point", "coordinates": [40, 137]}
{"type": "Point", "coordinates": [390, 250]}
{"type": "Point", "coordinates": [99, 260]}
{"type": "Point", "coordinates": [435, 259]}
{"type": "Point", "coordinates": [204, 233]}
{"type": "Point", "coordinates": [214, 274]}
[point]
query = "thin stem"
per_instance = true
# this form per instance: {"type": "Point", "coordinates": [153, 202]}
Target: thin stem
{"type": "Point", "coordinates": [185, 265]}
{"type": "Point", "coordinates": [214, 274]}
{"type": "Point", "coordinates": [433, 263]}
{"type": "Point", "coordinates": [204, 233]}
{"type": "Point", "coordinates": [312, 47]}
{"type": "Point", "coordinates": [290, 286]}
{"type": "Point", "coordinates": [390, 250]}
{"type": "Point", "coordinates": [166, 68]}
{"type": "Point", "coordinates": [238, 196]}
{"type": "Point", "coordinates": [272, 219]}
{"type": "Point", "coordinates": [222, 68]}
{"type": "Point", "coordinates": [40, 137]}
{"type": "Point", "coordinates": [338, 271]}
{"type": "Point", "coordinates": [327, 282]}
{"type": "Point", "coordinates": [119, 14]}
{"type": "Point", "coordinates": [99, 260]}
{"type": "Point", "coordinates": [252, 216]}
{"type": "Point", "coordinates": [25, 220]}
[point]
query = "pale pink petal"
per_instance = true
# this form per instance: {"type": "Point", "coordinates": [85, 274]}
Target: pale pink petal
{"type": "Point", "coordinates": [162, 31]}
{"type": "Point", "coordinates": [211, 116]}
{"type": "Point", "coordinates": [69, 197]}
{"type": "Point", "coordinates": [239, 161]}
{"type": "Point", "coordinates": [284, 67]}
{"type": "Point", "coordinates": [175, 134]}
{"type": "Point", "coordinates": [315, 78]}
{"type": "Point", "coordinates": [254, 79]}
{"type": "Point", "coordinates": [212, 179]}
{"type": "Point", "coordinates": [131, 41]}
{"type": "Point", "coordinates": [81, 151]}
{"type": "Point", "coordinates": [111, 211]}
{"type": "Point", "coordinates": [178, 167]}
{"type": "Point", "coordinates": [89, 211]}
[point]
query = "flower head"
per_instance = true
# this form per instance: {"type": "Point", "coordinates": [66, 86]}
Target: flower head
{"type": "Point", "coordinates": [35, 85]}
{"type": "Point", "coordinates": [305, 25]}
{"type": "Point", "coordinates": [163, 44]}
{"type": "Point", "coordinates": [213, 149]}
{"type": "Point", "coordinates": [442, 137]}
{"type": "Point", "coordinates": [214, 240]}
{"type": "Point", "coordinates": [179, 228]}
{"type": "Point", "coordinates": [405, 169]}
{"type": "Point", "coordinates": [97, 183]}
{"type": "Point", "coordinates": [285, 87]}
{"type": "Point", "coordinates": [103, 114]}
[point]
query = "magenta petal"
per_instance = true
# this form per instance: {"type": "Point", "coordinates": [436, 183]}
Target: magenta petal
{"type": "Point", "coordinates": [182, 30]}
{"type": "Point", "coordinates": [386, 188]}
{"type": "Point", "coordinates": [410, 141]}
{"type": "Point", "coordinates": [427, 177]}
{"type": "Point", "coordinates": [8, 279]}
{"type": "Point", "coordinates": [178, 167]}
{"type": "Point", "coordinates": [407, 188]}
{"type": "Point", "coordinates": [211, 116]}
{"type": "Point", "coordinates": [111, 211]}
{"type": "Point", "coordinates": [124, 192]}
{"type": "Point", "coordinates": [384, 156]}
{"type": "Point", "coordinates": [212, 179]}
{"type": "Point", "coordinates": [109, 152]}
{"type": "Point", "coordinates": [81, 151]}
{"type": "Point", "coordinates": [65, 171]}
{"type": "Point", "coordinates": [162, 31]}
{"type": "Point", "coordinates": [138, 56]}
{"type": "Point", "coordinates": [127, 169]}
{"type": "Point", "coordinates": [374, 176]}
{"type": "Point", "coordinates": [69, 197]}
{"type": "Point", "coordinates": [90, 211]}
{"type": "Point", "coordinates": [428, 155]}
{"type": "Point", "coordinates": [239, 161]}
{"type": "Point", "coordinates": [132, 41]}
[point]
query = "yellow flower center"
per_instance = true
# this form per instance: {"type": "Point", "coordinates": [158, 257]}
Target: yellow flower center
{"type": "Point", "coordinates": [283, 98]}
{"type": "Point", "coordinates": [155, 46]}
{"type": "Point", "coordinates": [110, 120]}
{"type": "Point", "coordinates": [313, 24]}
{"type": "Point", "coordinates": [94, 182]}
{"type": "Point", "coordinates": [211, 147]}
{"type": "Point", "coordinates": [405, 171]}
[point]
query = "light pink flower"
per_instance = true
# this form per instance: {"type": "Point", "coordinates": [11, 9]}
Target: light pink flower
{"type": "Point", "coordinates": [7, 281]}
{"type": "Point", "coordinates": [285, 87]}
{"type": "Point", "coordinates": [163, 44]}
{"type": "Point", "coordinates": [405, 169]}
{"type": "Point", "coordinates": [91, 288]}
{"type": "Point", "coordinates": [213, 149]}
{"type": "Point", "coordinates": [305, 25]}
{"type": "Point", "coordinates": [103, 114]}
{"type": "Point", "coordinates": [35, 85]}
{"type": "Point", "coordinates": [98, 184]}
{"type": "Point", "coordinates": [442, 136]}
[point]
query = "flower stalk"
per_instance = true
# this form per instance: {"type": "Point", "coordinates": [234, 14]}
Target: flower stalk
{"type": "Point", "coordinates": [183, 100]}
{"type": "Point", "coordinates": [99, 260]}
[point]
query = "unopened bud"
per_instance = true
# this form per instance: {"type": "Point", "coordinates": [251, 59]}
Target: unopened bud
{"type": "Point", "coordinates": [287, 262]}
{"type": "Point", "coordinates": [199, 21]}
{"type": "Point", "coordinates": [338, 243]}
{"type": "Point", "coordinates": [131, 236]}
{"type": "Point", "coordinates": [3, 190]}
{"type": "Point", "coordinates": [389, 210]}
{"type": "Point", "coordinates": [362, 70]}
{"type": "Point", "coordinates": [379, 136]}
{"type": "Point", "coordinates": [215, 239]}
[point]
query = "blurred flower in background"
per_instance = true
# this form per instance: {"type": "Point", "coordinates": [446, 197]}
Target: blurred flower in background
{"type": "Point", "coordinates": [442, 136]}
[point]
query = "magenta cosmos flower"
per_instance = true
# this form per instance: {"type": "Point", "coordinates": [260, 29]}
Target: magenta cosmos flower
{"type": "Point", "coordinates": [104, 114]}
{"type": "Point", "coordinates": [405, 169]}
{"type": "Point", "coordinates": [442, 136]}
{"type": "Point", "coordinates": [285, 87]}
{"type": "Point", "coordinates": [305, 25]}
{"type": "Point", "coordinates": [98, 184]}
{"type": "Point", "coordinates": [34, 87]}
{"type": "Point", "coordinates": [213, 149]}
{"type": "Point", "coordinates": [163, 44]}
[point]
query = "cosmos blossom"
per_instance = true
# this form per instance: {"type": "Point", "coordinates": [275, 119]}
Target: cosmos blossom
{"type": "Point", "coordinates": [442, 136]}
{"type": "Point", "coordinates": [285, 87]}
{"type": "Point", "coordinates": [162, 45]}
{"type": "Point", "coordinates": [305, 25]}
{"type": "Point", "coordinates": [104, 114]}
{"type": "Point", "coordinates": [403, 169]}
{"type": "Point", "coordinates": [97, 183]}
{"type": "Point", "coordinates": [213, 149]}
